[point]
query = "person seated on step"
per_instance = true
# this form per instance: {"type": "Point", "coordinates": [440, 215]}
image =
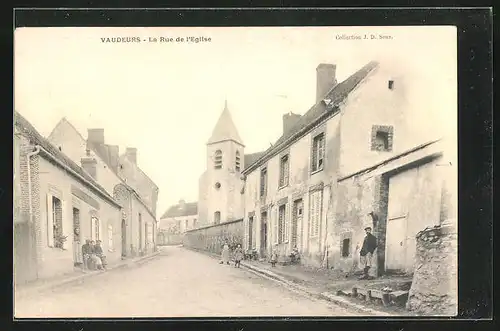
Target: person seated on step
{"type": "Point", "coordinates": [295, 256]}
{"type": "Point", "coordinates": [86, 252]}
{"type": "Point", "coordinates": [100, 254]}
{"type": "Point", "coordinates": [96, 260]}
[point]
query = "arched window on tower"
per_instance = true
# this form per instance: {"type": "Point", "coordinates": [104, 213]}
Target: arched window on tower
{"type": "Point", "coordinates": [238, 162]}
{"type": "Point", "coordinates": [218, 159]}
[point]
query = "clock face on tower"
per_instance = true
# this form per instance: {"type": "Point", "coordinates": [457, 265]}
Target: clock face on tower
{"type": "Point", "coordinates": [217, 185]}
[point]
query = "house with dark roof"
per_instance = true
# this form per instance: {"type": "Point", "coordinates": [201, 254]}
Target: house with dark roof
{"type": "Point", "coordinates": [327, 177]}
{"type": "Point", "coordinates": [102, 162]}
{"type": "Point", "coordinates": [60, 206]}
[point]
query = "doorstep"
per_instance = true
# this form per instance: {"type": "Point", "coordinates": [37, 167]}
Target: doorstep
{"type": "Point", "coordinates": [78, 275]}
{"type": "Point", "coordinates": [338, 288]}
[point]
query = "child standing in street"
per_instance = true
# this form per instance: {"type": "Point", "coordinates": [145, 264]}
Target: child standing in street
{"type": "Point", "coordinates": [238, 256]}
{"type": "Point", "coordinates": [274, 257]}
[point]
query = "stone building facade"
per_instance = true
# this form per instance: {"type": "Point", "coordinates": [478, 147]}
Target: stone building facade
{"type": "Point", "coordinates": [360, 156]}
{"type": "Point", "coordinates": [60, 205]}
{"type": "Point", "coordinates": [103, 162]}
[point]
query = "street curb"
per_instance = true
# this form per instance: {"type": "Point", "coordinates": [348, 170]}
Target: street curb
{"type": "Point", "coordinates": [325, 296]}
{"type": "Point", "coordinates": [81, 278]}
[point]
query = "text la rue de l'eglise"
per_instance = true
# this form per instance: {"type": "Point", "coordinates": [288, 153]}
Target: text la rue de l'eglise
{"type": "Point", "coordinates": [155, 39]}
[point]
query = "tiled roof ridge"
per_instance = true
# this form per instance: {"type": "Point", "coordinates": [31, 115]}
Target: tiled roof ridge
{"type": "Point", "coordinates": [309, 117]}
{"type": "Point", "coordinates": [39, 139]}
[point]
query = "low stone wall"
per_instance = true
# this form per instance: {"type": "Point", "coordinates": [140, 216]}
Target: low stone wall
{"type": "Point", "coordinates": [211, 238]}
{"type": "Point", "coordinates": [434, 289]}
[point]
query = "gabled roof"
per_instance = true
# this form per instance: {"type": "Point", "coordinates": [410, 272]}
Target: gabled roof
{"type": "Point", "coordinates": [124, 156]}
{"type": "Point", "coordinates": [332, 100]}
{"type": "Point", "coordinates": [225, 129]}
{"type": "Point", "coordinates": [190, 208]}
{"type": "Point", "coordinates": [251, 158]}
{"type": "Point", "coordinates": [27, 129]}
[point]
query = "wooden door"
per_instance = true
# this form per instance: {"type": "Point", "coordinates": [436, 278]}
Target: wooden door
{"type": "Point", "coordinates": [296, 220]}
{"type": "Point", "coordinates": [401, 190]}
{"type": "Point", "coordinates": [263, 235]}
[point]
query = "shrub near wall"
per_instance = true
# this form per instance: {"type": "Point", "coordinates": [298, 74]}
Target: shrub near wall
{"type": "Point", "coordinates": [211, 238]}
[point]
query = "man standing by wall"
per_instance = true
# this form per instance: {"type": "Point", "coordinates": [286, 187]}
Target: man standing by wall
{"type": "Point", "coordinates": [366, 253]}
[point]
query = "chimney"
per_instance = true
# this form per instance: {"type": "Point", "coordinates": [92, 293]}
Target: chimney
{"type": "Point", "coordinates": [325, 80]}
{"type": "Point", "coordinates": [114, 156]}
{"type": "Point", "coordinates": [95, 136]}
{"type": "Point", "coordinates": [182, 204]}
{"type": "Point", "coordinates": [90, 166]}
{"type": "Point", "coordinates": [131, 154]}
{"type": "Point", "coordinates": [289, 120]}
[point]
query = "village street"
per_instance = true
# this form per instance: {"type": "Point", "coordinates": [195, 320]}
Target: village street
{"type": "Point", "coordinates": [178, 283]}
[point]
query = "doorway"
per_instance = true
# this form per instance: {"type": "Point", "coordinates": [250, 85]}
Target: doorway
{"type": "Point", "coordinates": [250, 233]}
{"type": "Point", "coordinates": [263, 235]}
{"type": "Point", "coordinates": [296, 220]}
{"type": "Point", "coordinates": [124, 238]}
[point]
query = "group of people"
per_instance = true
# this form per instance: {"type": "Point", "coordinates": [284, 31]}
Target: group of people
{"type": "Point", "coordinates": [237, 255]}
{"type": "Point", "coordinates": [93, 255]}
{"type": "Point", "coordinates": [365, 254]}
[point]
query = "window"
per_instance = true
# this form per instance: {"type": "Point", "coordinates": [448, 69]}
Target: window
{"type": "Point", "coordinates": [218, 159]}
{"type": "Point", "coordinates": [55, 236]}
{"type": "Point", "coordinates": [238, 162]}
{"type": "Point", "coordinates": [217, 217]}
{"type": "Point", "coordinates": [110, 238]}
{"type": "Point", "coordinates": [391, 84]}
{"type": "Point", "coordinates": [315, 203]}
{"type": "Point", "coordinates": [318, 152]}
{"type": "Point", "coordinates": [346, 247]}
{"type": "Point", "coordinates": [186, 224]}
{"type": "Point", "coordinates": [382, 138]}
{"type": "Point", "coordinates": [194, 223]}
{"type": "Point", "coordinates": [217, 185]}
{"type": "Point", "coordinates": [284, 170]}
{"type": "Point", "coordinates": [282, 225]}
{"type": "Point", "coordinates": [263, 182]}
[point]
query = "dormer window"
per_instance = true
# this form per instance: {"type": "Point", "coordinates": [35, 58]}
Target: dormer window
{"type": "Point", "coordinates": [218, 159]}
{"type": "Point", "coordinates": [238, 162]}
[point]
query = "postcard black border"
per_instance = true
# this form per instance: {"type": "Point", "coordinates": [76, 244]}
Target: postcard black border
{"type": "Point", "coordinates": [475, 141]}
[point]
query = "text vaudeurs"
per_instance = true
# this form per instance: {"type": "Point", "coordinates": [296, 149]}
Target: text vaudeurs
{"type": "Point", "coordinates": [166, 39]}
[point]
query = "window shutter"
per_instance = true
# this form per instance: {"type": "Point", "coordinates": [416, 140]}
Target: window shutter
{"type": "Point", "coordinates": [287, 223]}
{"type": "Point", "coordinates": [275, 221]}
{"type": "Point", "coordinates": [110, 237]}
{"type": "Point", "coordinates": [64, 230]}
{"type": "Point", "coordinates": [50, 222]}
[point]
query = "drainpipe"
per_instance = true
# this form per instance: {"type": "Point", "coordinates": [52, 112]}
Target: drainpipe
{"type": "Point", "coordinates": [30, 199]}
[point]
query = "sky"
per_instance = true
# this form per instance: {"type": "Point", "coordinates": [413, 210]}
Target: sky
{"type": "Point", "coordinates": [164, 98]}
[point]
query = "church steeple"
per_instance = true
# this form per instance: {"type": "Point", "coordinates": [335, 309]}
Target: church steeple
{"type": "Point", "coordinates": [225, 129]}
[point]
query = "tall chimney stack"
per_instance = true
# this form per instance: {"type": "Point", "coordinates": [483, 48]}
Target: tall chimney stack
{"type": "Point", "coordinates": [289, 120]}
{"type": "Point", "coordinates": [89, 164]}
{"type": "Point", "coordinates": [325, 80]}
{"type": "Point", "coordinates": [131, 154]}
{"type": "Point", "coordinates": [95, 136]}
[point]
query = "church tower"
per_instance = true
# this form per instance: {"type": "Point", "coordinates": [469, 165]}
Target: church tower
{"type": "Point", "coordinates": [221, 198]}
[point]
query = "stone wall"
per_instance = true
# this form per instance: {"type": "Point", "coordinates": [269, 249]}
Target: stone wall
{"type": "Point", "coordinates": [212, 238]}
{"type": "Point", "coordinates": [434, 287]}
